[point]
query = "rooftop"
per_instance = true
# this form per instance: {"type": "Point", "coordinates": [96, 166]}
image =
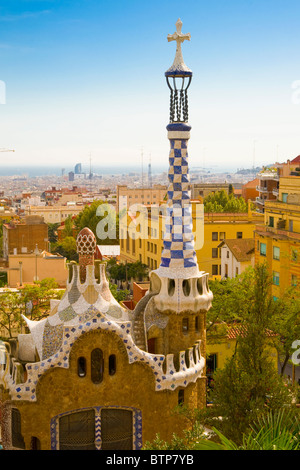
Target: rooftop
{"type": "Point", "coordinates": [296, 160]}
{"type": "Point", "coordinates": [241, 248]}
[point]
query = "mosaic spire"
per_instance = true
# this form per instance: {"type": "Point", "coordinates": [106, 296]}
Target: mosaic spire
{"type": "Point", "coordinates": [178, 259]}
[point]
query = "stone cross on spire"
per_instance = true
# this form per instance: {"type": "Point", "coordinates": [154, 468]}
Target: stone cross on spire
{"type": "Point", "coordinates": [179, 37]}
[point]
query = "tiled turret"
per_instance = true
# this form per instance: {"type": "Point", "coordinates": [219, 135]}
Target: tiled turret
{"type": "Point", "coordinates": [178, 258]}
{"type": "Point", "coordinates": [182, 287]}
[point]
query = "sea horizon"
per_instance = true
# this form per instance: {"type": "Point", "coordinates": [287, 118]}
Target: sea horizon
{"type": "Point", "coordinates": [33, 170]}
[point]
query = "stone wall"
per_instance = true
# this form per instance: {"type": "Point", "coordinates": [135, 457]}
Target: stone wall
{"type": "Point", "coordinates": [132, 386]}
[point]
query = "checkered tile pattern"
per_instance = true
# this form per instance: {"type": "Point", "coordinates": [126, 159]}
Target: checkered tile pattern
{"type": "Point", "coordinates": [178, 241]}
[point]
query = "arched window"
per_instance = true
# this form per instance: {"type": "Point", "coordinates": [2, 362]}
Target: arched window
{"type": "Point", "coordinates": [171, 287]}
{"type": "Point", "coordinates": [112, 366]}
{"type": "Point", "coordinates": [16, 434]}
{"type": "Point", "coordinates": [35, 443]}
{"type": "Point", "coordinates": [185, 325]}
{"type": "Point", "coordinates": [186, 287]}
{"type": "Point", "coordinates": [200, 286]}
{"type": "Point", "coordinates": [180, 397]}
{"type": "Point", "coordinates": [97, 366]}
{"type": "Point", "coordinates": [77, 431]}
{"type": "Point", "coordinates": [81, 366]}
{"type": "Point", "coordinates": [197, 323]}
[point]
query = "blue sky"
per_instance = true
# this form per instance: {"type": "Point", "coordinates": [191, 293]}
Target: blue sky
{"type": "Point", "coordinates": [87, 77]}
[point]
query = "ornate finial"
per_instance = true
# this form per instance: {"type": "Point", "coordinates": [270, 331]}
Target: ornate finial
{"type": "Point", "coordinates": [178, 78]}
{"type": "Point", "coordinates": [179, 67]}
{"type": "Point", "coordinates": [86, 246]}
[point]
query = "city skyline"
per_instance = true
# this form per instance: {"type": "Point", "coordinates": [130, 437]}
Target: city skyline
{"type": "Point", "coordinates": [87, 78]}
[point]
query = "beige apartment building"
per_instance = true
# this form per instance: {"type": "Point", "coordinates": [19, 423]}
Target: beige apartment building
{"type": "Point", "coordinates": [54, 214]}
{"type": "Point", "coordinates": [25, 236]}
{"type": "Point", "coordinates": [126, 197]}
{"type": "Point", "coordinates": [27, 268]}
{"type": "Point", "coordinates": [201, 190]}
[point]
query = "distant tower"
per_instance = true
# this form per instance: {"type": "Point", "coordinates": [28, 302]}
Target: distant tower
{"type": "Point", "coordinates": [71, 175]}
{"type": "Point", "coordinates": [77, 169]}
{"type": "Point", "coordinates": [90, 174]}
{"type": "Point", "coordinates": [149, 174]}
{"type": "Point", "coordinates": [142, 158]}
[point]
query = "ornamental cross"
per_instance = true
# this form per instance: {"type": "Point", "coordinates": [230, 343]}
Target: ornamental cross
{"type": "Point", "coordinates": [179, 37]}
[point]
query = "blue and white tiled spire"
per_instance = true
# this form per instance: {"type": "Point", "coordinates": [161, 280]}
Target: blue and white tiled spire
{"type": "Point", "coordinates": [178, 259]}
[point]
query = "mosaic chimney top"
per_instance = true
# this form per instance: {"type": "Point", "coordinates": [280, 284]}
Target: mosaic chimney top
{"type": "Point", "coordinates": [86, 245]}
{"type": "Point", "coordinates": [87, 294]}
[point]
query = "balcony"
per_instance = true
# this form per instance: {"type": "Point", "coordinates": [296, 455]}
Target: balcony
{"type": "Point", "coordinates": [259, 200]}
{"type": "Point", "coordinates": [278, 232]}
{"type": "Point", "coordinates": [262, 189]}
{"type": "Point", "coordinates": [268, 175]}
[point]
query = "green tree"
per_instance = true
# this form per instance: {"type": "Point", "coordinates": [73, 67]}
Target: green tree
{"type": "Point", "coordinates": [67, 248]}
{"type": "Point", "coordinates": [116, 271]}
{"type": "Point", "coordinates": [33, 301]}
{"type": "Point", "coordinates": [273, 430]}
{"type": "Point", "coordinates": [119, 294]}
{"type": "Point", "coordinates": [68, 227]}
{"type": "Point", "coordinates": [286, 324]}
{"type": "Point", "coordinates": [227, 306]}
{"type": "Point", "coordinates": [52, 232]}
{"type": "Point", "coordinates": [126, 271]}
{"type": "Point", "coordinates": [137, 270]}
{"type": "Point", "coordinates": [249, 384]}
{"type": "Point", "coordinates": [223, 202]}
{"type": "Point", "coordinates": [277, 430]}
{"type": "Point", "coordinates": [90, 217]}
{"type": "Point", "coordinates": [10, 312]}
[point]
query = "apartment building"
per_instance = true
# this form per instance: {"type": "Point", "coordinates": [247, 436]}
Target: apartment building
{"type": "Point", "coordinates": [201, 190]}
{"type": "Point", "coordinates": [267, 188]}
{"type": "Point", "coordinates": [278, 241]}
{"type": "Point", "coordinates": [127, 197]}
{"type": "Point", "coordinates": [249, 190]}
{"type": "Point", "coordinates": [27, 268]}
{"type": "Point", "coordinates": [216, 227]}
{"type": "Point", "coordinates": [55, 213]}
{"type": "Point", "coordinates": [25, 236]}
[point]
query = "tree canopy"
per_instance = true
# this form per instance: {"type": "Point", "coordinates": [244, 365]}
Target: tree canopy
{"type": "Point", "coordinates": [249, 383]}
{"type": "Point", "coordinates": [103, 223]}
{"type": "Point", "coordinates": [223, 202]}
{"type": "Point", "coordinates": [33, 301]}
{"type": "Point", "coordinates": [67, 248]}
{"type": "Point", "coordinates": [121, 271]}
